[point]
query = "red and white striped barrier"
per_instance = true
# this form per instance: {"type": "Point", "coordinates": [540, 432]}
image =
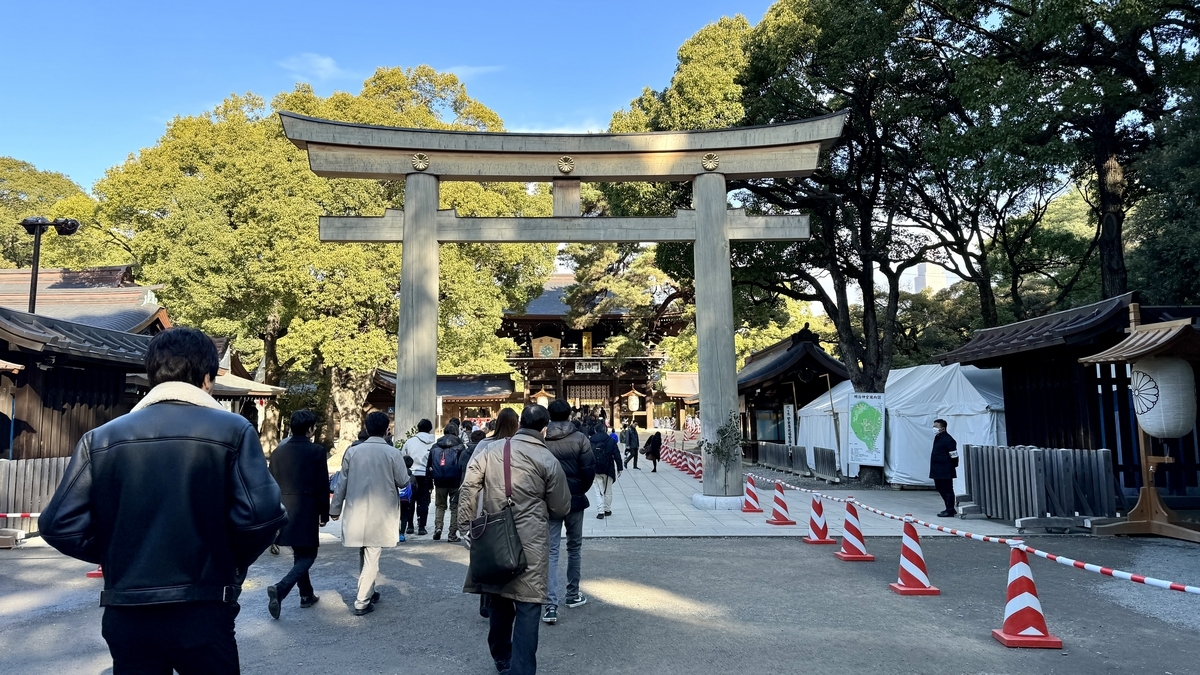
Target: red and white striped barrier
{"type": "Point", "coordinates": [1024, 622]}
{"type": "Point", "coordinates": [750, 503]}
{"type": "Point", "coordinates": [20, 515]}
{"type": "Point", "coordinates": [700, 467]}
{"type": "Point", "coordinates": [914, 579]}
{"type": "Point", "coordinates": [818, 530]}
{"type": "Point", "coordinates": [1062, 560]}
{"type": "Point", "coordinates": [853, 549]}
{"type": "Point", "coordinates": [97, 573]}
{"type": "Point", "coordinates": [779, 511]}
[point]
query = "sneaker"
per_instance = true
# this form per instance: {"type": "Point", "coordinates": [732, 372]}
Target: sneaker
{"type": "Point", "coordinates": [274, 549]}
{"type": "Point", "coordinates": [437, 535]}
{"type": "Point", "coordinates": [607, 513]}
{"type": "Point", "coordinates": [273, 601]}
{"type": "Point", "coordinates": [311, 600]}
{"type": "Point", "coordinates": [375, 597]}
{"type": "Point", "coordinates": [946, 514]}
{"type": "Point", "coordinates": [576, 600]}
{"type": "Point", "coordinates": [550, 615]}
{"type": "Point", "coordinates": [365, 610]}
{"type": "Point", "coordinates": [453, 538]}
{"type": "Point", "coordinates": [502, 666]}
{"type": "Point", "coordinates": [401, 538]}
{"type": "Point", "coordinates": [422, 532]}
{"type": "Point", "coordinates": [410, 530]}
{"type": "Point", "coordinates": [600, 515]}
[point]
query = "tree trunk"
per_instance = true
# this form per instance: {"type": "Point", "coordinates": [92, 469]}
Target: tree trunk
{"type": "Point", "coordinates": [269, 434]}
{"type": "Point", "coordinates": [329, 412]}
{"type": "Point", "coordinates": [987, 302]}
{"type": "Point", "coordinates": [1111, 181]}
{"type": "Point", "coordinates": [349, 391]}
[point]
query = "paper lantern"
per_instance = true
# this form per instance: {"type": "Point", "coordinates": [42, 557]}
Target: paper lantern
{"type": "Point", "coordinates": [1164, 396]}
{"type": "Point", "coordinates": [634, 403]}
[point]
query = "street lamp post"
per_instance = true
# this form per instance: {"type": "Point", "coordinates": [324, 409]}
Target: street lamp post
{"type": "Point", "coordinates": [36, 226]}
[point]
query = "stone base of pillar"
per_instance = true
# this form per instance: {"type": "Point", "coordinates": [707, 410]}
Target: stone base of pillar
{"type": "Point", "coordinates": [710, 503]}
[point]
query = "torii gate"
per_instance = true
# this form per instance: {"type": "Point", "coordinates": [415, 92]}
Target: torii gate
{"type": "Point", "coordinates": [423, 158]}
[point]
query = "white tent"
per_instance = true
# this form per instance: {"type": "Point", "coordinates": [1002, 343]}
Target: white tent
{"type": "Point", "coordinates": [969, 399]}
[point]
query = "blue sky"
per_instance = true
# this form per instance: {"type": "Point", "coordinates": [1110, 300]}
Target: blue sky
{"type": "Point", "coordinates": [88, 83]}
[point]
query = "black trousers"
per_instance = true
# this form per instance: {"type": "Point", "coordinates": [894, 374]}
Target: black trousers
{"type": "Point", "coordinates": [421, 494]}
{"type": "Point", "coordinates": [631, 457]}
{"type": "Point", "coordinates": [406, 514]}
{"type": "Point", "coordinates": [513, 638]}
{"type": "Point", "coordinates": [945, 487]}
{"type": "Point", "coordinates": [187, 637]}
{"type": "Point", "coordinates": [303, 558]}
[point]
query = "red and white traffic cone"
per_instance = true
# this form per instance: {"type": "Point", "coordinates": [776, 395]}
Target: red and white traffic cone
{"type": "Point", "coordinates": [750, 503]}
{"type": "Point", "coordinates": [692, 471]}
{"type": "Point", "coordinates": [97, 573]}
{"type": "Point", "coordinates": [853, 549]}
{"type": "Point", "coordinates": [818, 531]}
{"type": "Point", "coordinates": [1024, 623]}
{"type": "Point", "coordinates": [779, 512]}
{"type": "Point", "coordinates": [700, 467]}
{"type": "Point", "coordinates": [914, 580]}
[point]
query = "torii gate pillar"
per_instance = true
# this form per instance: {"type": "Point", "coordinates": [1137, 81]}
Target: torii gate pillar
{"type": "Point", "coordinates": [714, 326]}
{"type": "Point", "coordinates": [416, 351]}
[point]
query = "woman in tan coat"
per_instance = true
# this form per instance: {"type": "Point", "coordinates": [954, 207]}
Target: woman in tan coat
{"type": "Point", "coordinates": [539, 490]}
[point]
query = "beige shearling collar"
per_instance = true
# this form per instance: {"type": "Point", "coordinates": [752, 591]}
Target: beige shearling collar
{"type": "Point", "coordinates": [178, 391]}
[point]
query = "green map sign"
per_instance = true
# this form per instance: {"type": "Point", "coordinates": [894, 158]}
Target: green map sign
{"type": "Point", "coordinates": [865, 445]}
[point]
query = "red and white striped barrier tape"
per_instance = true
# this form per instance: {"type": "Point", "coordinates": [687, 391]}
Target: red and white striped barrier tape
{"type": "Point", "coordinates": [1110, 572]}
{"type": "Point", "coordinates": [19, 515]}
{"type": "Point", "coordinates": [1020, 543]}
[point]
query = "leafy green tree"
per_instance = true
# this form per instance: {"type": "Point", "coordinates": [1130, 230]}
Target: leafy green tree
{"type": "Point", "coordinates": [223, 212]}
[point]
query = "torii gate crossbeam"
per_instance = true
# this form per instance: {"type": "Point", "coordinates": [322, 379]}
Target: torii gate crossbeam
{"type": "Point", "coordinates": [423, 158]}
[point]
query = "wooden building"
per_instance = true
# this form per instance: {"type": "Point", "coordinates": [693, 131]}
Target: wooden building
{"type": "Point", "coordinates": [792, 371]}
{"type": "Point", "coordinates": [468, 397]}
{"type": "Point", "coordinates": [557, 361]}
{"type": "Point", "coordinates": [1053, 401]}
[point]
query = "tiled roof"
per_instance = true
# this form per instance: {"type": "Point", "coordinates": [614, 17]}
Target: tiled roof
{"type": "Point", "coordinates": [16, 281]}
{"type": "Point", "coordinates": [56, 336]}
{"type": "Point", "coordinates": [780, 357]}
{"type": "Point", "coordinates": [496, 386]}
{"type": "Point", "coordinates": [552, 301]}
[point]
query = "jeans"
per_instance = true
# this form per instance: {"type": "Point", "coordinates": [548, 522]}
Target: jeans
{"type": "Point", "coordinates": [574, 523]}
{"type": "Point", "coordinates": [604, 484]}
{"type": "Point", "coordinates": [945, 487]}
{"type": "Point", "coordinates": [303, 558]}
{"type": "Point", "coordinates": [421, 492]}
{"type": "Point", "coordinates": [513, 638]}
{"type": "Point", "coordinates": [188, 637]}
{"type": "Point", "coordinates": [368, 571]}
{"type": "Point", "coordinates": [442, 496]}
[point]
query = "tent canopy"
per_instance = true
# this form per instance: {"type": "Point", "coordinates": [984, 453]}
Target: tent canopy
{"type": "Point", "coordinates": [969, 399]}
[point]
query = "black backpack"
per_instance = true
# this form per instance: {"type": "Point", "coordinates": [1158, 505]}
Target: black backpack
{"type": "Point", "coordinates": [443, 464]}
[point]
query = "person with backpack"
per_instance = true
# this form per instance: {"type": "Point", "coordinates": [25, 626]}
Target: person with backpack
{"type": "Point", "coordinates": [608, 466]}
{"type": "Point", "coordinates": [447, 460]}
{"type": "Point", "coordinates": [573, 451]}
{"type": "Point", "coordinates": [417, 449]}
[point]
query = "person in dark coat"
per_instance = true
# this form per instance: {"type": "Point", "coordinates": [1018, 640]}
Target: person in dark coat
{"type": "Point", "coordinates": [608, 466]}
{"type": "Point", "coordinates": [298, 465]}
{"type": "Point", "coordinates": [941, 465]}
{"type": "Point", "coordinates": [631, 445]}
{"type": "Point", "coordinates": [654, 449]}
{"type": "Point", "coordinates": [573, 451]}
{"type": "Point", "coordinates": [174, 499]}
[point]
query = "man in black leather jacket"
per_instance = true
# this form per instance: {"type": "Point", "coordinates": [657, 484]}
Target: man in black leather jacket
{"type": "Point", "coordinates": [174, 500]}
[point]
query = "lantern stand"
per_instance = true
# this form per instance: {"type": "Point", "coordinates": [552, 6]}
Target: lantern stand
{"type": "Point", "coordinates": [1171, 338]}
{"type": "Point", "coordinates": [542, 397]}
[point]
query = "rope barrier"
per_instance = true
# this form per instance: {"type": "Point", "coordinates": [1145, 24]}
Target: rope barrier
{"type": "Point", "coordinates": [20, 515]}
{"type": "Point", "coordinates": [1019, 543]}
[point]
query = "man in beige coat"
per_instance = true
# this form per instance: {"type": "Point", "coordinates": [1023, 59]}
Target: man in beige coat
{"type": "Point", "coordinates": [373, 472]}
{"type": "Point", "coordinates": [539, 491]}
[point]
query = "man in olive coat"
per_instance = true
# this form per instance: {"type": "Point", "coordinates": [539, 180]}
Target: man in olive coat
{"type": "Point", "coordinates": [539, 492]}
{"type": "Point", "coordinates": [941, 465]}
{"type": "Point", "coordinates": [298, 465]}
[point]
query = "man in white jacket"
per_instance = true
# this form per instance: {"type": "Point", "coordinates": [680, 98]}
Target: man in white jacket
{"type": "Point", "coordinates": [417, 449]}
{"type": "Point", "coordinates": [372, 475]}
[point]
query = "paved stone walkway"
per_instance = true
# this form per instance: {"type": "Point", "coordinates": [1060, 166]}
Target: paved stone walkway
{"type": "Point", "coordinates": [659, 504]}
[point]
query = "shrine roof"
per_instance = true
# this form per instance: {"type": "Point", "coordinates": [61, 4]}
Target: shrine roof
{"type": "Point", "coordinates": [785, 355]}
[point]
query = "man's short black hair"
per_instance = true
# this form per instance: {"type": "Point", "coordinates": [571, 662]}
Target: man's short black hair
{"type": "Point", "coordinates": [425, 426]}
{"type": "Point", "coordinates": [941, 422]}
{"type": "Point", "coordinates": [377, 423]}
{"type": "Point", "coordinates": [560, 410]}
{"type": "Point", "coordinates": [181, 355]}
{"type": "Point", "coordinates": [534, 417]}
{"type": "Point", "coordinates": [303, 421]}
{"type": "Point", "coordinates": [450, 430]}
{"type": "Point", "coordinates": [478, 435]}
{"type": "Point", "coordinates": [454, 421]}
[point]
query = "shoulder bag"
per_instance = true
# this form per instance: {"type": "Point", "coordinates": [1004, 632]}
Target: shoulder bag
{"type": "Point", "coordinates": [497, 556]}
